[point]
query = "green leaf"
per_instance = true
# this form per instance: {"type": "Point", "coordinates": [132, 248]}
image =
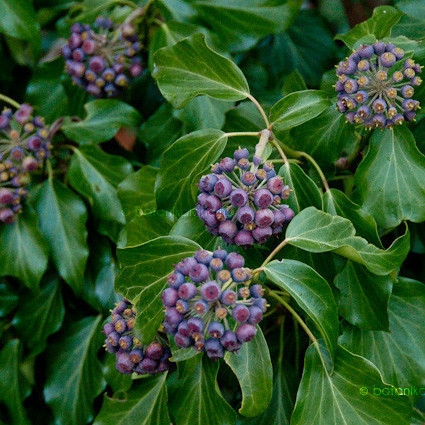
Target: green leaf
{"type": "Point", "coordinates": [297, 108]}
{"type": "Point", "coordinates": [325, 137]}
{"type": "Point", "coordinates": [145, 404]}
{"type": "Point", "coordinates": [116, 380]}
{"type": "Point", "coordinates": [292, 83]}
{"type": "Point", "coordinates": [347, 396]}
{"type": "Point", "coordinates": [40, 315]}
{"type": "Point", "coordinates": [12, 384]}
{"type": "Point", "coordinates": [312, 293]}
{"type": "Point", "coordinates": [412, 8]}
{"type": "Point", "coordinates": [365, 297]}
{"type": "Point", "coordinates": [9, 299]}
{"type": "Point", "coordinates": [395, 162]}
{"type": "Point", "coordinates": [175, 187]}
{"type": "Point", "coordinates": [136, 192]}
{"type": "Point", "coordinates": [96, 175]}
{"type": "Point", "coordinates": [30, 253]}
{"type": "Point", "coordinates": [376, 27]}
{"type": "Point", "coordinates": [400, 353]}
{"type": "Point", "coordinates": [198, 399]}
{"type": "Point", "coordinates": [104, 118]}
{"type": "Point", "coordinates": [191, 227]}
{"type": "Point", "coordinates": [18, 19]}
{"type": "Point", "coordinates": [316, 231]}
{"type": "Point", "coordinates": [144, 228]}
{"type": "Point", "coordinates": [305, 192]}
{"type": "Point", "coordinates": [337, 203]}
{"type": "Point", "coordinates": [190, 68]}
{"type": "Point", "coordinates": [159, 132]}
{"type": "Point", "coordinates": [74, 374]}
{"type": "Point", "coordinates": [143, 275]}
{"type": "Point", "coordinates": [253, 368]}
{"type": "Point", "coordinates": [63, 217]}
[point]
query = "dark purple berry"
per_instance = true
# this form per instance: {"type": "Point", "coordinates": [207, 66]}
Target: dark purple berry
{"type": "Point", "coordinates": [229, 341]}
{"type": "Point", "coordinates": [245, 215]}
{"type": "Point", "coordinates": [185, 265]}
{"type": "Point", "coordinates": [220, 253]}
{"type": "Point", "coordinates": [182, 306]}
{"type": "Point", "coordinates": [196, 325]}
{"type": "Point", "coordinates": [183, 329]}
{"type": "Point", "coordinates": [223, 188]}
{"type": "Point", "coordinates": [175, 280]}
{"type": "Point", "coordinates": [246, 332]}
{"type": "Point", "coordinates": [257, 291]}
{"type": "Point", "coordinates": [238, 198]}
{"type": "Point", "coordinates": [199, 273]}
{"type": "Point", "coordinates": [263, 198]}
{"type": "Point", "coordinates": [234, 261]}
{"type": "Point", "coordinates": [244, 238]}
{"type": "Point", "coordinates": [228, 229]}
{"type": "Point", "coordinates": [169, 297]}
{"type": "Point", "coordinates": [228, 297]}
{"type": "Point", "coordinates": [210, 291]}
{"type": "Point", "coordinates": [213, 348]}
{"type": "Point", "coordinates": [241, 153]}
{"type": "Point", "coordinates": [264, 218]}
{"type": "Point", "coordinates": [255, 315]}
{"type": "Point", "coordinates": [188, 290]}
{"type": "Point", "coordinates": [172, 316]}
{"type": "Point", "coordinates": [215, 329]}
{"type": "Point", "coordinates": [227, 165]}
{"type": "Point", "coordinates": [154, 350]}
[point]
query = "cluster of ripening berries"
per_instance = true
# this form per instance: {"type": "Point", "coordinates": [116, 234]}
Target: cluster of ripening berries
{"type": "Point", "coordinates": [210, 304]}
{"type": "Point", "coordinates": [104, 59]}
{"type": "Point", "coordinates": [241, 202]}
{"type": "Point", "coordinates": [375, 86]}
{"type": "Point", "coordinates": [130, 353]}
{"type": "Point", "coordinates": [24, 144]}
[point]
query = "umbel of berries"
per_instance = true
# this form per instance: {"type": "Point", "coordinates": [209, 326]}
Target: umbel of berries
{"type": "Point", "coordinates": [104, 59]}
{"type": "Point", "coordinates": [243, 203]}
{"type": "Point", "coordinates": [210, 303]}
{"type": "Point", "coordinates": [24, 144]}
{"type": "Point", "coordinates": [130, 353]}
{"type": "Point", "coordinates": [376, 85]}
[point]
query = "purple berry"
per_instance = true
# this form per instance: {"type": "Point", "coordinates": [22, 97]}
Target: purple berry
{"type": "Point", "coordinates": [108, 328]}
{"type": "Point", "coordinates": [216, 264]}
{"type": "Point", "coordinates": [228, 297]}
{"type": "Point", "coordinates": [238, 198]}
{"type": "Point", "coordinates": [213, 348]}
{"type": "Point", "coordinates": [229, 341]}
{"type": "Point", "coordinates": [220, 253]}
{"type": "Point", "coordinates": [215, 329]}
{"type": "Point", "coordinates": [240, 275]}
{"type": "Point", "coordinates": [228, 229]}
{"type": "Point", "coordinates": [124, 363]}
{"type": "Point", "coordinates": [275, 185]}
{"type": "Point", "coordinates": [188, 290]}
{"type": "Point", "coordinates": [172, 316]}
{"type": "Point", "coordinates": [199, 273]}
{"type": "Point", "coordinates": [240, 313]}
{"type": "Point", "coordinates": [203, 257]}
{"type": "Point", "coordinates": [183, 329]}
{"type": "Point", "coordinates": [261, 303]}
{"type": "Point", "coordinates": [154, 351]}
{"type": "Point", "coordinates": [263, 198]}
{"type": "Point", "coordinates": [210, 291]}
{"type": "Point", "coordinates": [175, 280]}
{"type": "Point", "coordinates": [185, 265]}
{"type": "Point", "coordinates": [169, 297]}
{"type": "Point", "coordinates": [245, 215]}
{"type": "Point", "coordinates": [196, 325]}
{"type": "Point", "coordinates": [182, 306]}
{"type": "Point", "coordinates": [201, 307]}
{"type": "Point", "coordinates": [264, 218]}
{"type": "Point", "coordinates": [255, 315]}
{"type": "Point", "coordinates": [181, 341]}
{"type": "Point", "coordinates": [244, 238]}
{"type": "Point", "coordinates": [126, 342]}
{"type": "Point", "coordinates": [227, 165]}
{"type": "Point", "coordinates": [136, 355]}
{"type": "Point", "coordinates": [223, 188]}
{"type": "Point", "coordinates": [248, 178]}
{"type": "Point", "coordinates": [234, 260]}
{"type": "Point", "coordinates": [241, 153]}
{"type": "Point", "coordinates": [246, 332]}
{"type": "Point", "coordinates": [257, 291]}
{"type": "Point", "coordinates": [148, 365]}
{"type": "Point", "coordinates": [366, 51]}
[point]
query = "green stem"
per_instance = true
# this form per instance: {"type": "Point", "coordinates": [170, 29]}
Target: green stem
{"type": "Point", "coordinates": [10, 101]}
{"type": "Point", "coordinates": [297, 346]}
{"type": "Point", "coordinates": [279, 149]}
{"type": "Point", "coordinates": [272, 254]}
{"type": "Point", "coordinates": [244, 133]}
{"type": "Point", "coordinates": [281, 347]}
{"type": "Point", "coordinates": [260, 146]}
{"type": "Point", "coordinates": [49, 170]}
{"type": "Point", "coordinates": [260, 108]}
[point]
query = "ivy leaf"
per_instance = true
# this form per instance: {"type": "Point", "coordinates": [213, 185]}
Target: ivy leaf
{"type": "Point", "coordinates": [136, 192]}
{"type": "Point", "coordinates": [145, 404]}
{"type": "Point", "coordinates": [30, 252]}
{"type": "Point", "coordinates": [337, 203]}
{"type": "Point", "coordinates": [176, 184]}
{"type": "Point", "coordinates": [312, 293]}
{"type": "Point", "coordinates": [144, 228]}
{"type": "Point", "coordinates": [297, 108]}
{"type": "Point", "coordinates": [375, 28]}
{"type": "Point", "coordinates": [395, 162]}
{"type": "Point", "coordinates": [292, 83]}
{"type": "Point", "coordinates": [365, 297]}
{"type": "Point", "coordinates": [253, 368]}
{"type": "Point", "coordinates": [305, 192]}
{"type": "Point", "coordinates": [63, 217]}
{"type": "Point", "coordinates": [12, 383]}
{"type": "Point", "coordinates": [18, 19]}
{"type": "Point", "coordinates": [96, 175]}
{"type": "Point", "coordinates": [143, 275]}
{"type": "Point", "coordinates": [198, 399]}
{"type": "Point", "coordinates": [116, 380]}
{"type": "Point", "coordinates": [191, 227]}
{"type": "Point", "coordinates": [316, 231]}
{"type": "Point", "coordinates": [74, 374]}
{"type": "Point", "coordinates": [104, 118]}
{"type": "Point", "coordinates": [190, 68]}
{"type": "Point", "coordinates": [40, 315]}
{"type": "Point", "coordinates": [9, 299]}
{"type": "Point", "coordinates": [400, 353]}
{"type": "Point", "coordinates": [324, 137]}
{"type": "Point", "coordinates": [347, 396]}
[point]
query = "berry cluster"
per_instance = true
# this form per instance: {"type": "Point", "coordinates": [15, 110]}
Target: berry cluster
{"type": "Point", "coordinates": [209, 296]}
{"type": "Point", "coordinates": [241, 202]}
{"type": "Point", "coordinates": [375, 87]}
{"type": "Point", "coordinates": [24, 144]}
{"type": "Point", "coordinates": [130, 353]}
{"type": "Point", "coordinates": [104, 59]}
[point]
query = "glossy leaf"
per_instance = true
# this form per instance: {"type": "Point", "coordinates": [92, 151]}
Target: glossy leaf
{"type": "Point", "coordinates": [400, 353]}
{"type": "Point", "coordinates": [41, 315]}
{"type": "Point", "coordinates": [175, 187]}
{"type": "Point", "coordinates": [316, 231]}
{"type": "Point", "coordinates": [104, 118]}
{"type": "Point", "coordinates": [116, 380]}
{"type": "Point", "coordinates": [190, 68]}
{"type": "Point", "coordinates": [74, 374]}
{"type": "Point", "coordinates": [63, 215]}
{"type": "Point", "coordinates": [376, 27]}
{"type": "Point", "coordinates": [347, 393]}
{"type": "Point", "coordinates": [292, 83]}
{"type": "Point", "coordinates": [96, 175]}
{"type": "Point", "coordinates": [12, 384]}
{"type": "Point", "coordinates": [199, 400]}
{"type": "Point", "coordinates": [297, 108]}
{"type": "Point", "coordinates": [30, 252]}
{"type": "Point", "coordinates": [8, 299]}
{"type": "Point", "coordinates": [395, 162]}
{"type": "Point", "coordinates": [145, 404]}
{"type": "Point", "coordinates": [143, 274]}
{"type": "Point", "coordinates": [364, 297]}
{"type": "Point", "coordinates": [253, 368]}
{"type": "Point", "coordinates": [18, 19]}
{"type": "Point", "coordinates": [305, 192]}
{"type": "Point", "coordinates": [312, 293]}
